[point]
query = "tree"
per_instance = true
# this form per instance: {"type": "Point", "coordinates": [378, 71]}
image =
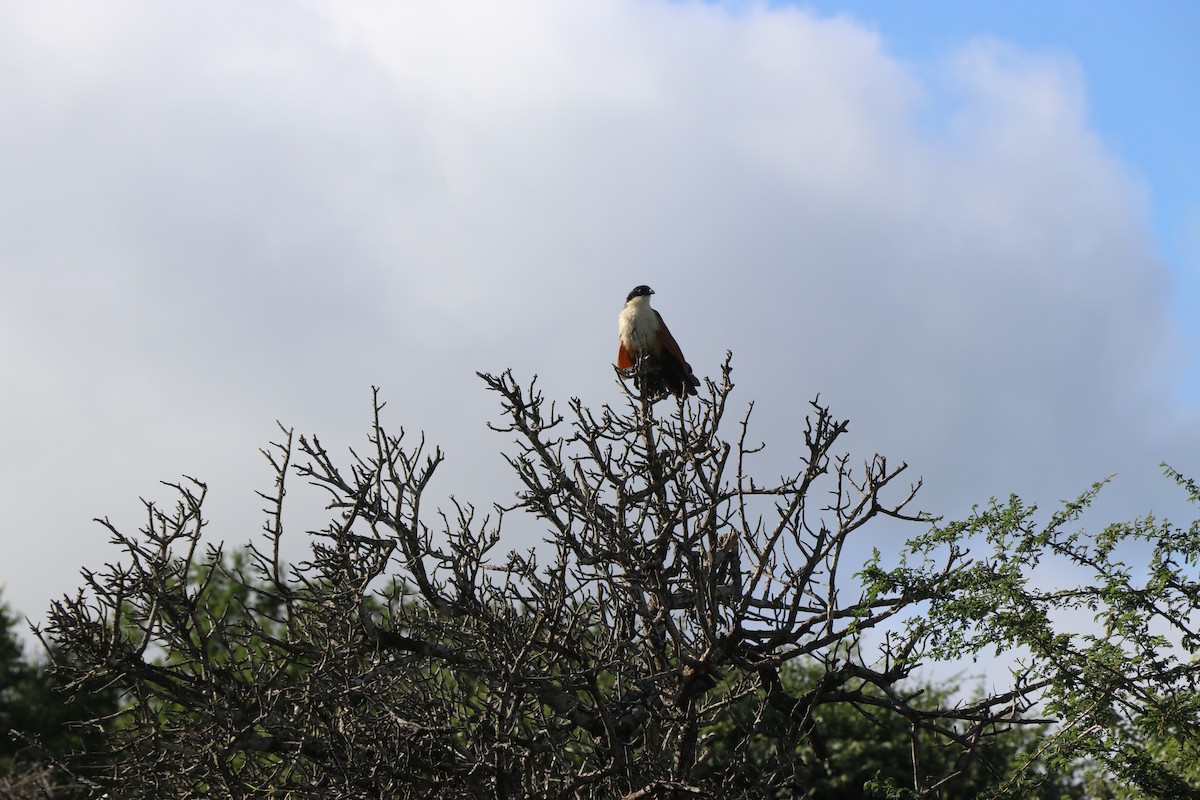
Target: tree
{"type": "Point", "coordinates": [39, 723]}
{"type": "Point", "coordinates": [1127, 700]}
{"type": "Point", "coordinates": [692, 632]}
{"type": "Point", "coordinates": [870, 752]}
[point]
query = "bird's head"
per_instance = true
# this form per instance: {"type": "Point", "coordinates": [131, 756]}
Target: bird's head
{"type": "Point", "coordinates": [639, 291]}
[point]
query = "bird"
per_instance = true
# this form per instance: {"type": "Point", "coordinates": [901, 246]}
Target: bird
{"type": "Point", "coordinates": [648, 349]}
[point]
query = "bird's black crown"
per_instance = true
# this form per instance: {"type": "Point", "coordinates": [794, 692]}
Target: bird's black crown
{"type": "Point", "coordinates": [639, 291]}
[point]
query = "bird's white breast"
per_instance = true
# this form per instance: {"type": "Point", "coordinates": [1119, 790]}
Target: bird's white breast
{"type": "Point", "coordinates": [638, 325]}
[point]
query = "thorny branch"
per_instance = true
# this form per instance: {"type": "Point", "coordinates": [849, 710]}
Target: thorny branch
{"type": "Point", "coordinates": [672, 588]}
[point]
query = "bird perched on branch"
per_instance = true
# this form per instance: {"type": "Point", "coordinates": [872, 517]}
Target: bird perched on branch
{"type": "Point", "coordinates": [649, 351]}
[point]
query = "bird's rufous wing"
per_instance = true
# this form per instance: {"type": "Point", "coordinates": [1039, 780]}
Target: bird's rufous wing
{"type": "Point", "coordinates": [668, 342]}
{"type": "Point", "coordinates": [624, 359]}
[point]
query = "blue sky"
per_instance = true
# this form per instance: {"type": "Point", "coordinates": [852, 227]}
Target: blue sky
{"type": "Point", "coordinates": [965, 225]}
{"type": "Point", "coordinates": [1140, 63]}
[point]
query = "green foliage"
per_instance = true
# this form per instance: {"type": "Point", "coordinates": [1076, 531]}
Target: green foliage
{"type": "Point", "coordinates": [1125, 699]}
{"type": "Point", "coordinates": [16, 676]}
{"type": "Point", "coordinates": [871, 754]}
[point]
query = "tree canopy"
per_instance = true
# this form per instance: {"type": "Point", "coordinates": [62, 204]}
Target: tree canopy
{"type": "Point", "coordinates": [690, 628]}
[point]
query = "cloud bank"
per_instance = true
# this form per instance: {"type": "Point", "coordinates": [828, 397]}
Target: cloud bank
{"type": "Point", "coordinates": [212, 219]}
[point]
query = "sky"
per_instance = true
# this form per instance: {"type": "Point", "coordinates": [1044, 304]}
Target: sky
{"type": "Point", "coordinates": [972, 228]}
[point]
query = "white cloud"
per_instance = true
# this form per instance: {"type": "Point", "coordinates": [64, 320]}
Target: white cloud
{"type": "Point", "coordinates": [212, 219]}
